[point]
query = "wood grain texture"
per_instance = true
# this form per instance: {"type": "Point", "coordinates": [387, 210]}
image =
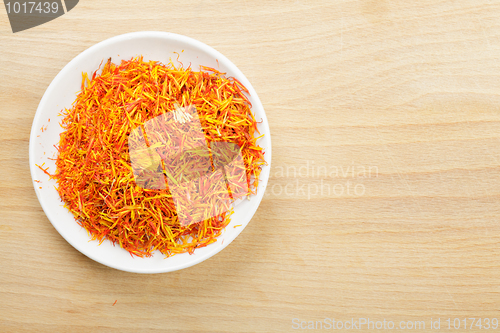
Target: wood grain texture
{"type": "Point", "coordinates": [406, 94]}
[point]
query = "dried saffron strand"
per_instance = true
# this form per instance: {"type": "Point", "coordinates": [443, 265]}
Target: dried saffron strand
{"type": "Point", "coordinates": [94, 176]}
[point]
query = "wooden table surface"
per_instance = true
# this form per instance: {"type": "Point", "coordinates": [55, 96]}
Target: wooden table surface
{"type": "Point", "coordinates": [383, 201]}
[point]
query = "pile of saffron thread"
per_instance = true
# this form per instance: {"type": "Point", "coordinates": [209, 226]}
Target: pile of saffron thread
{"type": "Point", "coordinates": [93, 170]}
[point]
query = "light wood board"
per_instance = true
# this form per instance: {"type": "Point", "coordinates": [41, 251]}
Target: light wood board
{"type": "Point", "coordinates": [405, 93]}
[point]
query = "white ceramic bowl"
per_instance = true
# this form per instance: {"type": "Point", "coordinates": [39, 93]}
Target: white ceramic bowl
{"type": "Point", "coordinates": [62, 92]}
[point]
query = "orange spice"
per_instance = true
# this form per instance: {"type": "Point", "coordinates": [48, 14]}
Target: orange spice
{"type": "Point", "coordinates": [93, 167]}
